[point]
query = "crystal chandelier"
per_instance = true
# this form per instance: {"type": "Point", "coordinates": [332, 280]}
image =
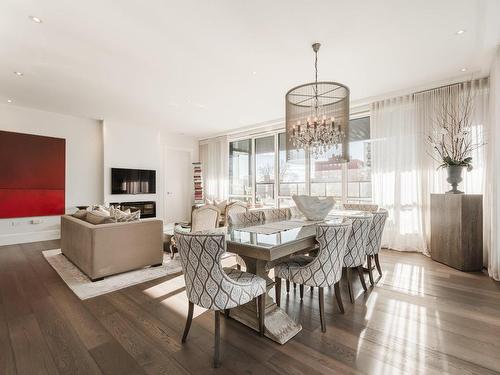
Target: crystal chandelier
{"type": "Point", "coordinates": [317, 117]}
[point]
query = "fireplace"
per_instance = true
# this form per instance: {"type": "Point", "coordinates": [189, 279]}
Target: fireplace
{"type": "Point", "coordinates": [148, 209]}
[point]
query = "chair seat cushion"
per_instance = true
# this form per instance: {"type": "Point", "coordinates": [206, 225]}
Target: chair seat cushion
{"type": "Point", "coordinates": [257, 283]}
{"type": "Point", "coordinates": [288, 268]}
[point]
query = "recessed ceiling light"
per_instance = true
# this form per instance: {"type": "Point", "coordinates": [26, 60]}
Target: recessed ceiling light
{"type": "Point", "coordinates": [35, 19]}
{"type": "Point", "coordinates": [19, 74]}
{"type": "Point", "coordinates": [460, 32]}
{"type": "Point", "coordinates": [463, 69]}
{"type": "Point", "coordinates": [9, 101]}
{"type": "Point", "coordinates": [254, 73]}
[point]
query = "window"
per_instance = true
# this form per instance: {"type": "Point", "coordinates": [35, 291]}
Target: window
{"type": "Point", "coordinates": [265, 172]}
{"type": "Point", "coordinates": [292, 173]}
{"type": "Point", "coordinates": [260, 173]}
{"type": "Point", "coordinates": [240, 181]}
{"type": "Point", "coordinates": [359, 182]}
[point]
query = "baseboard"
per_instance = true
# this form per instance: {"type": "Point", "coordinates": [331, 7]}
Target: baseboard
{"type": "Point", "coordinates": [16, 238]}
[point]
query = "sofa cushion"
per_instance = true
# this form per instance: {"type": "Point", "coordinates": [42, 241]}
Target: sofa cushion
{"type": "Point", "coordinates": [80, 214]}
{"type": "Point", "coordinates": [99, 217]}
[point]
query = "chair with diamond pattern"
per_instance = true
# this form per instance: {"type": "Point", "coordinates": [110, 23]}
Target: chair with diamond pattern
{"type": "Point", "coordinates": [374, 240]}
{"type": "Point", "coordinates": [213, 287]}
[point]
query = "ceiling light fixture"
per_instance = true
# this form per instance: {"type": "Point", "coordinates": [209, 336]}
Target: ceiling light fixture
{"type": "Point", "coordinates": [463, 69]}
{"type": "Point", "coordinates": [460, 32]}
{"type": "Point", "coordinates": [19, 74]}
{"type": "Point", "coordinates": [254, 73]}
{"type": "Point", "coordinates": [35, 19]}
{"type": "Point", "coordinates": [317, 117]}
{"type": "Point", "coordinates": [9, 101]}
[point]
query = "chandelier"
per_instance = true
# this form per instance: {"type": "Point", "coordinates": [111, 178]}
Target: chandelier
{"type": "Point", "coordinates": [317, 117]}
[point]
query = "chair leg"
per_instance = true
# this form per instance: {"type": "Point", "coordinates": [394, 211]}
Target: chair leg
{"type": "Point", "coordinates": [217, 340]}
{"type": "Point", "coordinates": [338, 296]}
{"type": "Point", "coordinates": [262, 313]}
{"type": "Point", "coordinates": [301, 290]}
{"type": "Point", "coordinates": [362, 277]}
{"type": "Point", "coordinates": [287, 286]}
{"type": "Point", "coordinates": [349, 284]}
{"type": "Point", "coordinates": [322, 309]}
{"type": "Point", "coordinates": [226, 313]}
{"type": "Point", "coordinates": [377, 263]}
{"type": "Point", "coordinates": [370, 271]}
{"type": "Point", "coordinates": [188, 321]}
{"type": "Point", "coordinates": [277, 289]}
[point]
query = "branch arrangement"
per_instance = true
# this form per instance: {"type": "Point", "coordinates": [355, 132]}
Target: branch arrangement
{"type": "Point", "coordinates": [451, 139]}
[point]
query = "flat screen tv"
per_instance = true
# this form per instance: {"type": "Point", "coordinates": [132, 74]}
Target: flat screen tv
{"type": "Point", "coordinates": [133, 181]}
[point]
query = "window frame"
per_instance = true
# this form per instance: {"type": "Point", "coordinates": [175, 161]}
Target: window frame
{"type": "Point", "coordinates": [308, 160]}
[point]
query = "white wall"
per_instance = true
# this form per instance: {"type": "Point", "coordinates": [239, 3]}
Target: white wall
{"type": "Point", "coordinates": [142, 147]}
{"type": "Point", "coordinates": [84, 161]}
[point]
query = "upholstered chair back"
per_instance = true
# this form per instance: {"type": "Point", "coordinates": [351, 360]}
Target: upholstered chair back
{"type": "Point", "coordinates": [355, 250]}
{"type": "Point", "coordinates": [246, 218]}
{"type": "Point", "coordinates": [207, 284]}
{"type": "Point", "coordinates": [374, 239]}
{"type": "Point", "coordinates": [277, 214]}
{"type": "Point", "coordinates": [204, 218]}
{"type": "Point", "coordinates": [369, 207]}
{"type": "Point", "coordinates": [233, 208]}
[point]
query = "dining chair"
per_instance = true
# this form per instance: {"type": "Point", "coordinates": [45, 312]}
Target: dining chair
{"type": "Point", "coordinates": [368, 207]}
{"type": "Point", "coordinates": [355, 251]}
{"type": "Point", "coordinates": [213, 287]}
{"type": "Point", "coordinates": [374, 241]}
{"type": "Point", "coordinates": [234, 207]}
{"type": "Point", "coordinates": [321, 271]}
{"type": "Point", "coordinates": [244, 219]}
{"type": "Point", "coordinates": [277, 214]}
{"type": "Point", "coordinates": [204, 218]}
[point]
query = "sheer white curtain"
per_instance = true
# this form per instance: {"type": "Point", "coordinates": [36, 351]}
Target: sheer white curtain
{"type": "Point", "coordinates": [214, 154]}
{"type": "Point", "coordinates": [395, 177]}
{"type": "Point", "coordinates": [404, 174]}
{"type": "Point", "coordinates": [492, 196]}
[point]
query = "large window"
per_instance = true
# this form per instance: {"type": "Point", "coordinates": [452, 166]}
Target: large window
{"type": "Point", "coordinates": [261, 173]}
{"type": "Point", "coordinates": [265, 172]}
{"type": "Point", "coordinates": [240, 171]}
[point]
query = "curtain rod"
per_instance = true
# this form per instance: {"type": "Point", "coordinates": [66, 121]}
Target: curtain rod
{"type": "Point", "coordinates": [450, 85]}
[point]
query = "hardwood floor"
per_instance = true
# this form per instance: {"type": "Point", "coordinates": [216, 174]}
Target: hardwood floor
{"type": "Point", "coordinates": [421, 317]}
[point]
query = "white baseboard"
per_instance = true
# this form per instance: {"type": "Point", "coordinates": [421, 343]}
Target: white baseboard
{"type": "Point", "coordinates": [16, 238]}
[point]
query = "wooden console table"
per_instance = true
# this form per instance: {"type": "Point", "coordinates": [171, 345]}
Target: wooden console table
{"type": "Point", "coordinates": [457, 230]}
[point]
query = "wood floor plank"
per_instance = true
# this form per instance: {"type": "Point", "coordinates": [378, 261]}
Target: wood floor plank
{"type": "Point", "coordinates": [421, 318]}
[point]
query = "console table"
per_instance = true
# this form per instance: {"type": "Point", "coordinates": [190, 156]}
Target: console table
{"type": "Point", "coordinates": [457, 230]}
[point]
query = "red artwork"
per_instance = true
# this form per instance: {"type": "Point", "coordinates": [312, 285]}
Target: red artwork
{"type": "Point", "coordinates": [32, 175]}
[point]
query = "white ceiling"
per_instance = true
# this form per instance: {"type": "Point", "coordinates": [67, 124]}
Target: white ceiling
{"type": "Point", "coordinates": [205, 67]}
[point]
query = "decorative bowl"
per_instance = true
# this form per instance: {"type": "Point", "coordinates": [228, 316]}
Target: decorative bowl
{"type": "Point", "coordinates": [314, 208]}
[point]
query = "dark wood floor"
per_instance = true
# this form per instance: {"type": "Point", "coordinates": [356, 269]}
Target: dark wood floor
{"type": "Point", "coordinates": [422, 317]}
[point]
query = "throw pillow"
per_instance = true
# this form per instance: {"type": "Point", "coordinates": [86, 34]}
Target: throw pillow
{"type": "Point", "coordinates": [104, 210]}
{"type": "Point", "coordinates": [98, 217]}
{"type": "Point", "coordinates": [134, 216]}
{"type": "Point", "coordinates": [80, 214]}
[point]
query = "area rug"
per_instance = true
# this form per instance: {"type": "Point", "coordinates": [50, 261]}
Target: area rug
{"type": "Point", "coordinates": [81, 285]}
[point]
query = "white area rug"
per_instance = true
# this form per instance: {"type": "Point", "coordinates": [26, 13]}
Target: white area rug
{"type": "Point", "coordinates": [81, 285]}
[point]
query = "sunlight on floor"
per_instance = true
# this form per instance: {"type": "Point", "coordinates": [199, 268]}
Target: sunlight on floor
{"type": "Point", "coordinates": [408, 278]}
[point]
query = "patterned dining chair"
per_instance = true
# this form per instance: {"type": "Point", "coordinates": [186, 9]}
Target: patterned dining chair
{"type": "Point", "coordinates": [368, 207]}
{"type": "Point", "coordinates": [232, 208]}
{"type": "Point", "coordinates": [204, 218]}
{"type": "Point", "coordinates": [277, 214]}
{"type": "Point", "coordinates": [374, 240]}
{"type": "Point", "coordinates": [244, 219]}
{"type": "Point", "coordinates": [213, 287]}
{"type": "Point", "coordinates": [321, 271]}
{"type": "Point", "coordinates": [355, 251]}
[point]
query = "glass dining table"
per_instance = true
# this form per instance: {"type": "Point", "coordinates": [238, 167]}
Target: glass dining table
{"type": "Point", "coordinates": [262, 246]}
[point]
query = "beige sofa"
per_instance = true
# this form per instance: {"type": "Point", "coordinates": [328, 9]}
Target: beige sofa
{"type": "Point", "coordinates": [106, 249]}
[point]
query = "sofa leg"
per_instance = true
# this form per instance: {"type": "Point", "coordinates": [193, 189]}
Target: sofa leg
{"type": "Point", "coordinates": [97, 279]}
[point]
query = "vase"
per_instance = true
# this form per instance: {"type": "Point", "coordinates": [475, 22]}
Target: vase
{"type": "Point", "coordinates": [454, 178]}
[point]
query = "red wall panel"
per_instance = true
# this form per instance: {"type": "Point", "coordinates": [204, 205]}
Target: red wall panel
{"type": "Point", "coordinates": [32, 175]}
